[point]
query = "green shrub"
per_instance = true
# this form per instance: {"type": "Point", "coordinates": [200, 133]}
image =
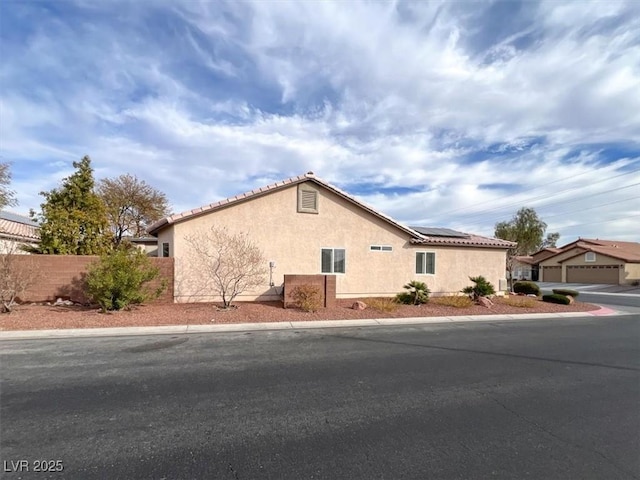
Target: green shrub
{"type": "Point", "coordinates": [307, 297]}
{"type": "Point", "coordinates": [481, 288]}
{"type": "Point", "coordinates": [382, 304]}
{"type": "Point", "coordinates": [458, 301]}
{"type": "Point", "coordinates": [555, 298]}
{"type": "Point", "coordinates": [566, 292]}
{"type": "Point", "coordinates": [417, 293]}
{"type": "Point", "coordinates": [120, 279]}
{"type": "Point", "coordinates": [527, 288]}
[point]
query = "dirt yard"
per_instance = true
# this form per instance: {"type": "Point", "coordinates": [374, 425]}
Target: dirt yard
{"type": "Point", "coordinates": [37, 317]}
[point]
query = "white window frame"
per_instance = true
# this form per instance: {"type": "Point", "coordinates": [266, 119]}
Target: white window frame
{"type": "Point", "coordinates": [424, 263]}
{"type": "Point", "coordinates": [590, 257]}
{"type": "Point", "coordinates": [168, 249]}
{"type": "Point", "coordinates": [333, 263]}
{"type": "Point", "coordinates": [380, 248]}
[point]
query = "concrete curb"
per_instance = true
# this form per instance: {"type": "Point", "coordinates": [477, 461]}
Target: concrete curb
{"type": "Point", "coordinates": [298, 325]}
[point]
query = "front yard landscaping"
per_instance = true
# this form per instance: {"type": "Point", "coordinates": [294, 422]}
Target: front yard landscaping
{"type": "Point", "coordinates": [44, 317]}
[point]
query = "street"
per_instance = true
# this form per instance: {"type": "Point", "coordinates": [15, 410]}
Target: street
{"type": "Point", "coordinates": [552, 399]}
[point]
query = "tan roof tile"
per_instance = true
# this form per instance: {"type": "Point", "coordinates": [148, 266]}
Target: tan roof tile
{"type": "Point", "coordinates": [19, 230]}
{"type": "Point", "coordinates": [470, 240]}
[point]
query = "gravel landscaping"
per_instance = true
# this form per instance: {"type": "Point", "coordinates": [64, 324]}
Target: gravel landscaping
{"type": "Point", "coordinates": [40, 317]}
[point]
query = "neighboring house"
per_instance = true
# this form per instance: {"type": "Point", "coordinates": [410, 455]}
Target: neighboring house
{"type": "Point", "coordinates": [592, 261]}
{"type": "Point", "coordinates": [304, 225]}
{"type": "Point", "coordinates": [148, 245]}
{"type": "Point", "coordinates": [17, 230]}
{"type": "Point", "coordinates": [522, 267]}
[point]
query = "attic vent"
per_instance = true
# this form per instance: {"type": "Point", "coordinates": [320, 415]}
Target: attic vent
{"type": "Point", "coordinates": [307, 199]}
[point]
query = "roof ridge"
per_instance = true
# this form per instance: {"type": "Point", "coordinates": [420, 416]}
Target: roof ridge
{"type": "Point", "coordinates": [272, 187]}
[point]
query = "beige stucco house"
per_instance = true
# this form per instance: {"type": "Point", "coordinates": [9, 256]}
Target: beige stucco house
{"type": "Point", "coordinates": [16, 231]}
{"type": "Point", "coordinates": [304, 225]}
{"type": "Point", "coordinates": [593, 261]}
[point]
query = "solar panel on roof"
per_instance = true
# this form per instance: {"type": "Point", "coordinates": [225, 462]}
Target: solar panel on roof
{"type": "Point", "coordinates": [14, 217]}
{"type": "Point", "coordinates": [439, 232]}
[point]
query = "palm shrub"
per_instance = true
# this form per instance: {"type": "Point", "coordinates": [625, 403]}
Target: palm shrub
{"type": "Point", "coordinates": [417, 293]}
{"type": "Point", "coordinates": [121, 278]}
{"type": "Point", "coordinates": [481, 288]}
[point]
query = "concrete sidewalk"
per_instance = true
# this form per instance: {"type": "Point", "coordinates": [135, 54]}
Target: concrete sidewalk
{"type": "Point", "coordinates": [243, 327]}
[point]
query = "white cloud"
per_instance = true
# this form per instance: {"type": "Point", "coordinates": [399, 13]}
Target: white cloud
{"type": "Point", "coordinates": [208, 99]}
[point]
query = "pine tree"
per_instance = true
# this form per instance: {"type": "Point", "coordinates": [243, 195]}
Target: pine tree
{"type": "Point", "coordinates": [73, 220]}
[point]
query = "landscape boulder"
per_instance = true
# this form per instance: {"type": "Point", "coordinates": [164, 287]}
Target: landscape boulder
{"type": "Point", "coordinates": [485, 302]}
{"type": "Point", "coordinates": [359, 305]}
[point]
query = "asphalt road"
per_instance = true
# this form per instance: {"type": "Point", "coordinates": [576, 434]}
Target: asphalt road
{"type": "Point", "coordinates": [556, 399]}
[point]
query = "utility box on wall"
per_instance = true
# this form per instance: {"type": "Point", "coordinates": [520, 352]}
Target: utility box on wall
{"type": "Point", "coordinates": [325, 283]}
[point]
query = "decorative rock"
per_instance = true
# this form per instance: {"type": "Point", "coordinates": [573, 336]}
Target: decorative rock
{"type": "Point", "coordinates": [571, 299]}
{"type": "Point", "coordinates": [359, 305]}
{"type": "Point", "coordinates": [60, 302]}
{"type": "Point", "coordinates": [485, 302]}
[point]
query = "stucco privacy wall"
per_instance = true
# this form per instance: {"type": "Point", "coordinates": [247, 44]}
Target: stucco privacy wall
{"type": "Point", "coordinates": [294, 241]}
{"type": "Point", "coordinates": [62, 276]}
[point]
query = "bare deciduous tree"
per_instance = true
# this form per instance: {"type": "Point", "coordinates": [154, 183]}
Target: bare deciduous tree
{"type": "Point", "coordinates": [7, 196]}
{"type": "Point", "coordinates": [230, 263]}
{"type": "Point", "coordinates": [132, 205]}
{"type": "Point", "coordinates": [17, 274]}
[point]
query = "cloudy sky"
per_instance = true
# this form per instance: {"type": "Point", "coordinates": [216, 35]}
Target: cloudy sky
{"type": "Point", "coordinates": [451, 114]}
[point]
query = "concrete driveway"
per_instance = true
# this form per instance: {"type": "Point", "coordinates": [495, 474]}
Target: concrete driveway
{"type": "Point", "coordinates": [591, 287]}
{"type": "Point", "coordinates": [610, 295]}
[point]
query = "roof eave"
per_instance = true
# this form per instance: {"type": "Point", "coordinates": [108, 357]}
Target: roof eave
{"type": "Point", "coordinates": [430, 242]}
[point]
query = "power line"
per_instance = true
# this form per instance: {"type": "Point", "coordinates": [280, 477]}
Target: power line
{"type": "Point", "coordinates": [535, 187]}
{"type": "Point", "coordinates": [545, 196]}
{"type": "Point", "coordinates": [591, 208]}
{"type": "Point", "coordinates": [577, 199]}
{"type": "Point", "coordinates": [602, 221]}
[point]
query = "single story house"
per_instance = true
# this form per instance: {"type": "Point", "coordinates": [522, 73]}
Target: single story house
{"type": "Point", "coordinates": [148, 245]}
{"type": "Point", "coordinates": [593, 261]}
{"type": "Point", "coordinates": [527, 267]}
{"type": "Point", "coordinates": [17, 230]}
{"type": "Point", "coordinates": [522, 267]}
{"type": "Point", "coordinates": [304, 225]}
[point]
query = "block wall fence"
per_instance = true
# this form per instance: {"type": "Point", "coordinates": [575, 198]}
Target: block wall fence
{"type": "Point", "coordinates": [62, 276]}
{"type": "Point", "coordinates": [325, 283]}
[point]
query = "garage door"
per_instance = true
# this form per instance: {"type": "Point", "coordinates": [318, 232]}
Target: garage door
{"type": "Point", "coordinates": [593, 274]}
{"type": "Point", "coordinates": [551, 274]}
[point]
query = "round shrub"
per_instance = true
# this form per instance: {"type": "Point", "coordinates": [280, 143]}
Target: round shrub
{"type": "Point", "coordinates": [526, 288]}
{"type": "Point", "coordinates": [555, 298]}
{"type": "Point", "coordinates": [566, 292]}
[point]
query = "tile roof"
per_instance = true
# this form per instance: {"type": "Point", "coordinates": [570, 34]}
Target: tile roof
{"type": "Point", "coordinates": [528, 259]}
{"type": "Point", "coordinates": [309, 176]}
{"type": "Point", "coordinates": [18, 227]}
{"type": "Point", "coordinates": [626, 251]}
{"type": "Point", "coordinates": [469, 240]}
{"type": "Point", "coordinates": [461, 239]}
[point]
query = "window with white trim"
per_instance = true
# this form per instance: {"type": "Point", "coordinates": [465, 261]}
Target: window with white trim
{"type": "Point", "coordinates": [590, 257]}
{"type": "Point", "coordinates": [425, 263]}
{"type": "Point", "coordinates": [165, 249]}
{"type": "Point", "coordinates": [333, 260]}
{"type": "Point", "coordinates": [381, 248]}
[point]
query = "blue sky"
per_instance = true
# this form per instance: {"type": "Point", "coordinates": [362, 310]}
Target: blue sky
{"type": "Point", "coordinates": [450, 114]}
